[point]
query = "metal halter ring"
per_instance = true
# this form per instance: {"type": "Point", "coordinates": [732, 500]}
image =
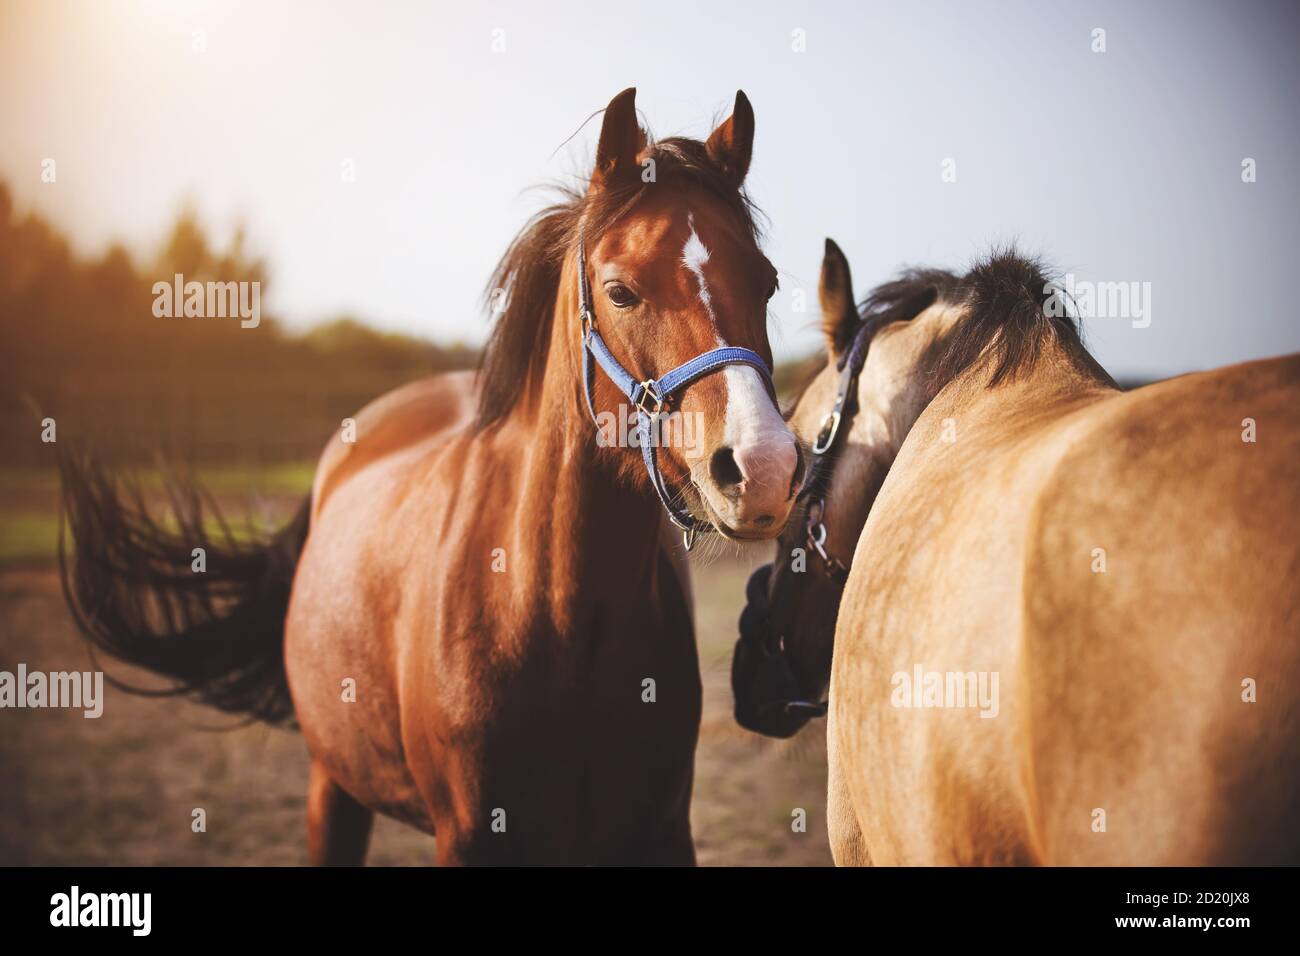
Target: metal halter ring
{"type": "Point", "coordinates": [649, 388]}
{"type": "Point", "coordinates": [815, 532]}
{"type": "Point", "coordinates": [817, 538]}
{"type": "Point", "coordinates": [826, 437]}
{"type": "Point", "coordinates": [689, 535]}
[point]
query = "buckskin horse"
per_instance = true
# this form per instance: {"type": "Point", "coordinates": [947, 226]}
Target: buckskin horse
{"type": "Point", "coordinates": [983, 501]}
{"type": "Point", "coordinates": [467, 615]}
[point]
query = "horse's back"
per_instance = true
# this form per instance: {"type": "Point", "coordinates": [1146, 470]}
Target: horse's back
{"type": "Point", "coordinates": [342, 664]}
{"type": "Point", "coordinates": [399, 422]}
{"type": "Point", "coordinates": [1158, 591]}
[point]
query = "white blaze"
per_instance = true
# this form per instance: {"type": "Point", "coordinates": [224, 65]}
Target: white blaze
{"type": "Point", "coordinates": [751, 416]}
{"type": "Point", "coordinates": [694, 255]}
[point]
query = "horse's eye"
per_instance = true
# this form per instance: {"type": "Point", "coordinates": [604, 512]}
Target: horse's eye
{"type": "Point", "coordinates": [620, 295]}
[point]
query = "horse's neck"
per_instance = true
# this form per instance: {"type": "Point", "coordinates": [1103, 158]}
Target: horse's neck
{"type": "Point", "coordinates": [592, 534]}
{"type": "Point", "coordinates": [1062, 378]}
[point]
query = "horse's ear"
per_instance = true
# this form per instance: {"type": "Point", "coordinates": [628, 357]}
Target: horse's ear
{"type": "Point", "coordinates": [839, 313]}
{"type": "Point", "coordinates": [732, 144]}
{"type": "Point", "coordinates": [621, 140]}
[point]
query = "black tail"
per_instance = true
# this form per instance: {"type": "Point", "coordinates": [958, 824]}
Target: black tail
{"type": "Point", "coordinates": [218, 634]}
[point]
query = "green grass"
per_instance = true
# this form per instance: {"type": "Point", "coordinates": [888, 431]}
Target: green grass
{"type": "Point", "coordinates": [30, 531]}
{"type": "Point", "coordinates": [286, 478]}
{"type": "Point", "coordinates": [34, 535]}
{"type": "Point", "coordinates": [28, 536]}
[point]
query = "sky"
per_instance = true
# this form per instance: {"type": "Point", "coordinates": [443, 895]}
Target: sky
{"type": "Point", "coordinates": [917, 133]}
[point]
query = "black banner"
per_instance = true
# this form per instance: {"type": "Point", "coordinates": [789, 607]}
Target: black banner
{"type": "Point", "coordinates": [216, 906]}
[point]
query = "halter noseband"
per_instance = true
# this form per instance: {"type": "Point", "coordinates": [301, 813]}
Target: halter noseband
{"type": "Point", "coordinates": [650, 397]}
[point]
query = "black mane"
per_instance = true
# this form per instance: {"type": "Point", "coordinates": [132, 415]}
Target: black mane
{"type": "Point", "coordinates": [1011, 305]}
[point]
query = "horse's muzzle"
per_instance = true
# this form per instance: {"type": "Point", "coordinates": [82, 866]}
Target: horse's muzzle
{"type": "Point", "coordinates": [768, 698]}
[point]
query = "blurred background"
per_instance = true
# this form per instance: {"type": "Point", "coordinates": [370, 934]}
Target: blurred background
{"type": "Point", "coordinates": [367, 163]}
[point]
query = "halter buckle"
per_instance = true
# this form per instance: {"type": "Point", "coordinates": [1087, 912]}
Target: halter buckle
{"type": "Point", "coordinates": [830, 424]}
{"type": "Point", "coordinates": [649, 388]}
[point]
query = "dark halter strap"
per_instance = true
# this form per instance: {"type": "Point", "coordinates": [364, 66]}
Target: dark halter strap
{"type": "Point", "coordinates": [823, 462]}
{"type": "Point", "coordinates": [651, 396]}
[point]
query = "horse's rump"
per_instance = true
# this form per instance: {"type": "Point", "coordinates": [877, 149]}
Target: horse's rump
{"type": "Point", "coordinates": [1159, 577]}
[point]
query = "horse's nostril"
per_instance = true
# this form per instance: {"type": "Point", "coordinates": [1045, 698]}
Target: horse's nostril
{"type": "Point", "coordinates": [765, 521]}
{"type": "Point", "coordinates": [800, 466]}
{"type": "Point", "coordinates": [724, 470]}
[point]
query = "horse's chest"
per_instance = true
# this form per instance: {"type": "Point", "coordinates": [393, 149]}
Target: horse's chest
{"type": "Point", "coordinates": [611, 668]}
{"type": "Point", "coordinates": [584, 735]}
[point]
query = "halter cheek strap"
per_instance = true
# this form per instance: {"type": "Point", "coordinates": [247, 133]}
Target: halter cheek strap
{"type": "Point", "coordinates": [651, 396]}
{"type": "Point", "coordinates": [823, 463]}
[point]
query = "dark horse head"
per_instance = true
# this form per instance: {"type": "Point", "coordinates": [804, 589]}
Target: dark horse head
{"type": "Point", "coordinates": [782, 661]}
{"type": "Point", "coordinates": [885, 363]}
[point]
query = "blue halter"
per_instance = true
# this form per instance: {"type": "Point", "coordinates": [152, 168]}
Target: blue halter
{"type": "Point", "coordinates": [652, 395]}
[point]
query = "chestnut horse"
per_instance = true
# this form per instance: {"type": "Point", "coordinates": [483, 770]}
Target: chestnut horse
{"type": "Point", "coordinates": [489, 631]}
{"type": "Point", "coordinates": [1067, 633]}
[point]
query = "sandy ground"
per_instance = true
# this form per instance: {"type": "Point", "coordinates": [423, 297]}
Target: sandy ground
{"type": "Point", "coordinates": [121, 789]}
